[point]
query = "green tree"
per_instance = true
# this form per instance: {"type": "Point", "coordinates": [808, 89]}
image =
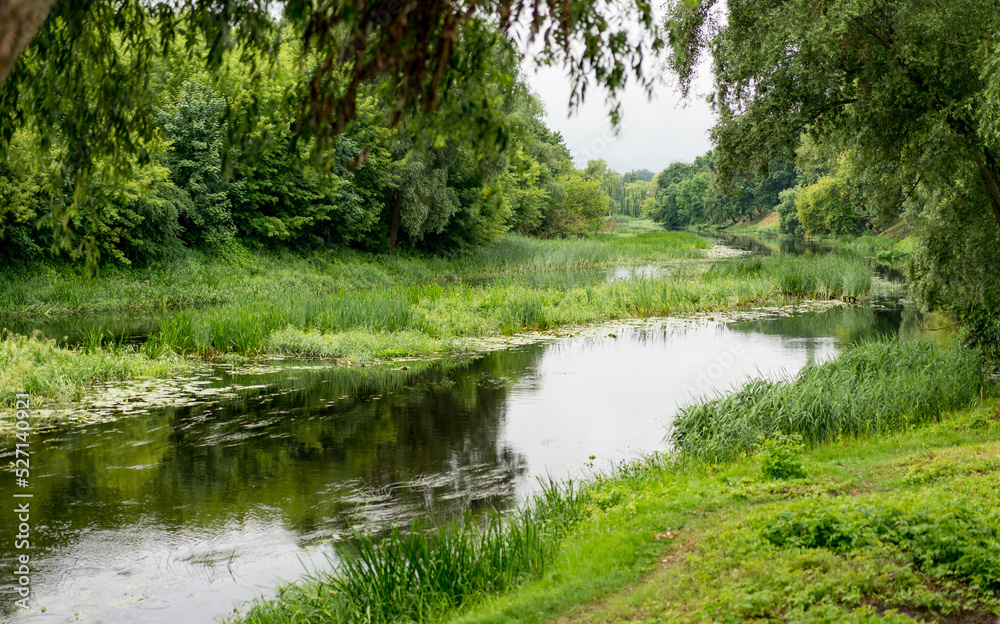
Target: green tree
{"type": "Point", "coordinates": [825, 208]}
{"type": "Point", "coordinates": [193, 127]}
{"type": "Point", "coordinates": [788, 216]}
{"type": "Point", "coordinates": [578, 206]}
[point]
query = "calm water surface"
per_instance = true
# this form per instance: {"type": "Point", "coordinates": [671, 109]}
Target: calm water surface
{"type": "Point", "coordinates": [182, 514]}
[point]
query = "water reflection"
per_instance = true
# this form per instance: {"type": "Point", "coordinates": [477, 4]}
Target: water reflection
{"type": "Point", "coordinates": [892, 271]}
{"type": "Point", "coordinates": [183, 513]}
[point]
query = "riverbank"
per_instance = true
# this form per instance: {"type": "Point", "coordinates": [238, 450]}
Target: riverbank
{"type": "Point", "coordinates": [236, 273]}
{"type": "Point", "coordinates": [891, 247]}
{"type": "Point", "coordinates": [439, 317]}
{"type": "Point", "coordinates": [889, 521]}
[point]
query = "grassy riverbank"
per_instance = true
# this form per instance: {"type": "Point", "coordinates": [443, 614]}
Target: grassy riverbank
{"type": "Point", "coordinates": [236, 274]}
{"type": "Point", "coordinates": [894, 522]}
{"type": "Point", "coordinates": [373, 308]}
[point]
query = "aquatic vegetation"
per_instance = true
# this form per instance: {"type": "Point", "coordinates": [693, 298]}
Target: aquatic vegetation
{"type": "Point", "coordinates": [430, 318]}
{"type": "Point", "coordinates": [356, 344]}
{"type": "Point", "coordinates": [234, 274]}
{"type": "Point", "coordinates": [823, 276]}
{"type": "Point", "coordinates": [876, 388]}
{"type": "Point", "coordinates": [51, 374]}
{"type": "Point", "coordinates": [420, 574]}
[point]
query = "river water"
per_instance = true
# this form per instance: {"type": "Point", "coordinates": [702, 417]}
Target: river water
{"type": "Point", "coordinates": [183, 514]}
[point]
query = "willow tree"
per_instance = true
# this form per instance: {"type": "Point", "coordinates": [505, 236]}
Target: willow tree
{"type": "Point", "coordinates": [77, 75]}
{"type": "Point", "coordinates": [910, 87]}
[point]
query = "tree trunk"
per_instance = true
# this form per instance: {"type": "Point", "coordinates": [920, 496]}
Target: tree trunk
{"type": "Point", "coordinates": [988, 170]}
{"type": "Point", "coordinates": [394, 221]}
{"type": "Point", "coordinates": [19, 23]}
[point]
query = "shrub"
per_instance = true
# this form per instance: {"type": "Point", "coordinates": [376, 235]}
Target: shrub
{"type": "Point", "coordinates": [781, 457]}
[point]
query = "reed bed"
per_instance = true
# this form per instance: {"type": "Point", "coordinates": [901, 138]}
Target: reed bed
{"type": "Point", "coordinates": [423, 573]}
{"type": "Point", "coordinates": [427, 318]}
{"type": "Point", "coordinates": [827, 276]}
{"type": "Point", "coordinates": [52, 374]}
{"type": "Point", "coordinates": [234, 274]}
{"type": "Point", "coordinates": [876, 388]}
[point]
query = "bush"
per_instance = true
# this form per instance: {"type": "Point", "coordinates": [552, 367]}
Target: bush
{"type": "Point", "coordinates": [781, 457]}
{"type": "Point", "coordinates": [949, 538]}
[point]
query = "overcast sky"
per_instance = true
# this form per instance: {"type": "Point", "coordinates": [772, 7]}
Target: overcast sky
{"type": "Point", "coordinates": [653, 133]}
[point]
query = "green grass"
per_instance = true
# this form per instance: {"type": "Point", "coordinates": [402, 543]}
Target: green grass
{"type": "Point", "coordinates": [426, 319]}
{"type": "Point", "coordinates": [422, 574]}
{"type": "Point", "coordinates": [356, 345]}
{"type": "Point", "coordinates": [235, 274]}
{"type": "Point", "coordinates": [897, 528]}
{"type": "Point", "coordinates": [882, 248]}
{"type": "Point", "coordinates": [825, 276]}
{"type": "Point", "coordinates": [876, 388]}
{"type": "Point", "coordinates": [624, 224]}
{"type": "Point", "coordinates": [52, 374]}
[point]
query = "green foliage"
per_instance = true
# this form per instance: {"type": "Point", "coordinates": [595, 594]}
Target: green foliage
{"type": "Point", "coordinates": [579, 205]}
{"type": "Point", "coordinates": [788, 214]}
{"type": "Point", "coordinates": [193, 125]}
{"type": "Point", "coordinates": [873, 389]}
{"type": "Point", "coordinates": [904, 92]}
{"type": "Point", "coordinates": [825, 208]}
{"type": "Point", "coordinates": [18, 197]}
{"type": "Point", "coordinates": [946, 538]}
{"type": "Point", "coordinates": [781, 457]}
{"type": "Point", "coordinates": [423, 574]}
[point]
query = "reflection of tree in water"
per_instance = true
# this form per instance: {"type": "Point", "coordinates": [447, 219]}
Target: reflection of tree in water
{"type": "Point", "coordinates": [323, 458]}
{"type": "Point", "coordinates": [767, 246]}
{"type": "Point", "coordinates": [846, 324]}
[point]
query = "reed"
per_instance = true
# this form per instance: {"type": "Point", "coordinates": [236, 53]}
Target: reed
{"type": "Point", "coordinates": [421, 319]}
{"type": "Point", "coordinates": [423, 573]}
{"type": "Point", "coordinates": [876, 388]}
{"type": "Point", "coordinates": [52, 374]}
{"type": "Point", "coordinates": [235, 275]}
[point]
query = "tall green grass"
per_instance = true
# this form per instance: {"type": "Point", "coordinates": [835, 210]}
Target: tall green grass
{"type": "Point", "coordinates": [420, 319]}
{"type": "Point", "coordinates": [824, 276]}
{"type": "Point", "coordinates": [52, 374]}
{"type": "Point", "coordinates": [421, 574]}
{"type": "Point", "coordinates": [876, 388]}
{"type": "Point", "coordinates": [236, 275]}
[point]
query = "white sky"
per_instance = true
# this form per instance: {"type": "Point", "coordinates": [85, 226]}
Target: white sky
{"type": "Point", "coordinates": [653, 133]}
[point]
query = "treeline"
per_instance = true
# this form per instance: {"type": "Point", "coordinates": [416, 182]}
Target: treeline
{"type": "Point", "coordinates": [226, 165]}
{"type": "Point", "coordinates": [821, 192]}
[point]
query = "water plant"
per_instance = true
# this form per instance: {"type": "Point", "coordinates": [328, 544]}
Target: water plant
{"type": "Point", "coordinates": [52, 374]}
{"type": "Point", "coordinates": [877, 387]}
{"type": "Point", "coordinates": [425, 572]}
